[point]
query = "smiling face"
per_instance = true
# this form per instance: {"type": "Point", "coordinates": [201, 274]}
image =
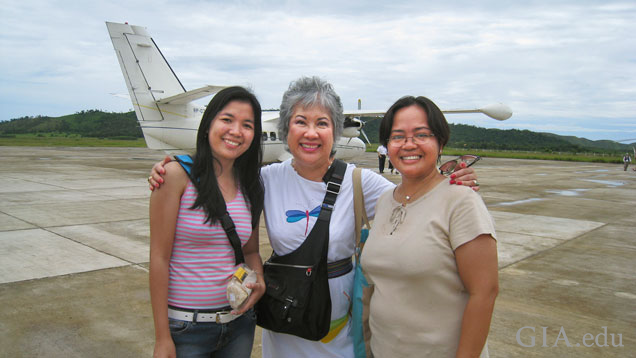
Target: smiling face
{"type": "Point", "coordinates": [413, 160]}
{"type": "Point", "coordinates": [231, 132]}
{"type": "Point", "coordinates": [310, 137]}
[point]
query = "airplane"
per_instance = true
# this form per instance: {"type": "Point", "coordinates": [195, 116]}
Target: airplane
{"type": "Point", "coordinates": [169, 119]}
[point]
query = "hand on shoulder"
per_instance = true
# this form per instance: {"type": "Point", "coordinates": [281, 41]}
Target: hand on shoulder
{"type": "Point", "coordinates": [174, 177]}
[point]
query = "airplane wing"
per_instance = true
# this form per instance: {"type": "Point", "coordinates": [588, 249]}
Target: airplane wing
{"type": "Point", "coordinates": [273, 116]}
{"type": "Point", "coordinates": [121, 95]}
{"type": "Point", "coordinates": [364, 113]}
{"type": "Point", "coordinates": [498, 111]}
{"type": "Point", "coordinates": [190, 96]}
{"type": "Point", "coordinates": [269, 116]}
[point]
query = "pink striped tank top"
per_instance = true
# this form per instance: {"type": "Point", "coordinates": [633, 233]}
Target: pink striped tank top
{"type": "Point", "coordinates": [202, 259]}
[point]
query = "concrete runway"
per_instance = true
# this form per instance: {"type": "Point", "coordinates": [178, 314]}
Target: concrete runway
{"type": "Point", "coordinates": [74, 254]}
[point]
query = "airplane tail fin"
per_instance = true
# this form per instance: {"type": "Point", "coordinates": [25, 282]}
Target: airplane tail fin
{"type": "Point", "coordinates": [148, 75]}
{"type": "Point", "coordinates": [159, 98]}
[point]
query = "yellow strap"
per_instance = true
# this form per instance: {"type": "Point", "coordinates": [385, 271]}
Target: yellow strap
{"type": "Point", "coordinates": [335, 327]}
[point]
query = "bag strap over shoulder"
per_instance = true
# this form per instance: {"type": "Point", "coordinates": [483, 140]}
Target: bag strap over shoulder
{"type": "Point", "coordinates": [235, 241]}
{"type": "Point", "coordinates": [226, 221]}
{"type": "Point", "coordinates": [359, 209]}
{"type": "Point", "coordinates": [186, 163]}
{"type": "Point", "coordinates": [333, 178]}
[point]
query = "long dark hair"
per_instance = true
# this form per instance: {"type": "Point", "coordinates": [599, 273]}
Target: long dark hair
{"type": "Point", "coordinates": [246, 168]}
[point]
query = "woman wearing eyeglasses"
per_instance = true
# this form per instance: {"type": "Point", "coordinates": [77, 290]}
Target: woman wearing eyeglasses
{"type": "Point", "coordinates": [431, 253]}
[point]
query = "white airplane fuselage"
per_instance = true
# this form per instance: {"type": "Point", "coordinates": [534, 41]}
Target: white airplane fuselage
{"type": "Point", "coordinates": [169, 118]}
{"type": "Point", "coordinates": [165, 110]}
{"type": "Point", "coordinates": [178, 134]}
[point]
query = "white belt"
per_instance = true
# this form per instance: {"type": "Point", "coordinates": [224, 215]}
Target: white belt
{"type": "Point", "coordinates": [195, 316]}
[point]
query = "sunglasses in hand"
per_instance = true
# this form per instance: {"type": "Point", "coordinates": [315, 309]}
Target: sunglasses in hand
{"type": "Point", "coordinates": [449, 166]}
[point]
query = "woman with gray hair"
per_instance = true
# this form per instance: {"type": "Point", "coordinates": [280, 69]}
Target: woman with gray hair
{"type": "Point", "coordinates": [308, 92]}
{"type": "Point", "coordinates": [311, 122]}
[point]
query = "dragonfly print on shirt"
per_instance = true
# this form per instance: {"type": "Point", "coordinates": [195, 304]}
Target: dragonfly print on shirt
{"type": "Point", "coordinates": [297, 215]}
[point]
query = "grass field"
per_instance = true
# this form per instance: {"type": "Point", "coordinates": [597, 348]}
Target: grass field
{"type": "Point", "coordinates": [571, 157]}
{"type": "Point", "coordinates": [49, 140]}
{"type": "Point", "coordinates": [52, 140]}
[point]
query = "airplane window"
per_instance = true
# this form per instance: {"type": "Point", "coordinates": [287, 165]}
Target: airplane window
{"type": "Point", "coordinates": [264, 136]}
{"type": "Point", "coordinates": [272, 135]}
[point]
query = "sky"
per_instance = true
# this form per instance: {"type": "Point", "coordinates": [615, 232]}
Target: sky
{"type": "Point", "coordinates": [564, 66]}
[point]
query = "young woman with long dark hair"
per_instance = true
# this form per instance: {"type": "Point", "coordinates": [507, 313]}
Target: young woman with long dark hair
{"type": "Point", "coordinates": [191, 257]}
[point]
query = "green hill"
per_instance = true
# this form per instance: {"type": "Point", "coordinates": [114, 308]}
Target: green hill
{"type": "Point", "coordinates": [98, 124]}
{"type": "Point", "coordinates": [91, 123]}
{"type": "Point", "coordinates": [600, 144]}
{"type": "Point", "coordinates": [467, 136]}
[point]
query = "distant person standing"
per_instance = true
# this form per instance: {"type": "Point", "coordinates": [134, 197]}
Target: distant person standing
{"type": "Point", "coordinates": [381, 157]}
{"type": "Point", "coordinates": [390, 164]}
{"type": "Point", "coordinates": [626, 160]}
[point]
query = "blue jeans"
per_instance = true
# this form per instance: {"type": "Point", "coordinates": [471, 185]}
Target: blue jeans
{"type": "Point", "coordinates": [210, 339]}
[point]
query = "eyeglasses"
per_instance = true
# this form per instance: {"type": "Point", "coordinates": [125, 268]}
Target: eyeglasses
{"type": "Point", "coordinates": [449, 166]}
{"type": "Point", "coordinates": [399, 140]}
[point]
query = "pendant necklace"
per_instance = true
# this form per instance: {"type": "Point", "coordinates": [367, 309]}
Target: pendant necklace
{"type": "Point", "coordinates": [399, 212]}
{"type": "Point", "coordinates": [397, 217]}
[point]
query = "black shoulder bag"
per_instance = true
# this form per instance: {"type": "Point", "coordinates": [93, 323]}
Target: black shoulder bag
{"type": "Point", "coordinates": [297, 299]}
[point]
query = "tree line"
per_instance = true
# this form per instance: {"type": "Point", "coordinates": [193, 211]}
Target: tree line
{"type": "Point", "coordinates": [91, 123]}
{"type": "Point", "coordinates": [99, 124]}
{"type": "Point", "coordinates": [472, 137]}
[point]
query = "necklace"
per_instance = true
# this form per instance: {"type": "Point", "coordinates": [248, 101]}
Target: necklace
{"type": "Point", "coordinates": [399, 212]}
{"type": "Point", "coordinates": [397, 217]}
{"type": "Point", "coordinates": [412, 196]}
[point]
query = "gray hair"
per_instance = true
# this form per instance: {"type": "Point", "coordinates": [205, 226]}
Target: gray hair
{"type": "Point", "coordinates": [308, 92]}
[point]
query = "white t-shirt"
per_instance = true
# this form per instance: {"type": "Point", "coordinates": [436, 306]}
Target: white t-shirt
{"type": "Point", "coordinates": [382, 150]}
{"type": "Point", "coordinates": [290, 214]}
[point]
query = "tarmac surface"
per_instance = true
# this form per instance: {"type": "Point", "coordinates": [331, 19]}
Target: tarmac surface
{"type": "Point", "coordinates": [74, 254]}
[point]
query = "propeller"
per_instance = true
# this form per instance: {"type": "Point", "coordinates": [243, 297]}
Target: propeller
{"type": "Point", "coordinates": [353, 128]}
{"type": "Point", "coordinates": [365, 136]}
{"type": "Point", "coordinates": [362, 123]}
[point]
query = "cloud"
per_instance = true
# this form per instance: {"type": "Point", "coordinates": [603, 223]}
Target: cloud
{"type": "Point", "coordinates": [553, 62]}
